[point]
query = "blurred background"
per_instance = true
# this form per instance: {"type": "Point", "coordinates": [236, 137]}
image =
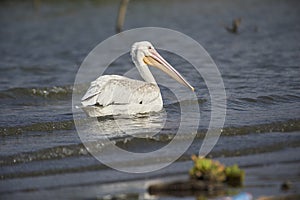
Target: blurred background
{"type": "Point", "coordinates": [255, 44]}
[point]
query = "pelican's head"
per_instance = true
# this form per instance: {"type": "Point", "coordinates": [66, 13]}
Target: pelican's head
{"type": "Point", "coordinates": [143, 54]}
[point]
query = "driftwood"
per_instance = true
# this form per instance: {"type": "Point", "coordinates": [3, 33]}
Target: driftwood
{"type": "Point", "coordinates": [187, 188]}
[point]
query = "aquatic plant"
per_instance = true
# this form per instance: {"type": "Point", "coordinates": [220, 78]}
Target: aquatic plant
{"type": "Point", "coordinates": [234, 175]}
{"type": "Point", "coordinates": [207, 169]}
{"type": "Point", "coordinates": [213, 171]}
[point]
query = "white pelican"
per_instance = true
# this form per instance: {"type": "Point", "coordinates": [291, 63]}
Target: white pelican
{"type": "Point", "coordinates": [115, 95]}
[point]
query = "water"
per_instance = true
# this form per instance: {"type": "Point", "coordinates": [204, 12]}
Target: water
{"type": "Point", "coordinates": [43, 46]}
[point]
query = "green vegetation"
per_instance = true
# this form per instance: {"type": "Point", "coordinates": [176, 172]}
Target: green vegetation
{"type": "Point", "coordinates": [213, 171]}
{"type": "Point", "coordinates": [234, 175]}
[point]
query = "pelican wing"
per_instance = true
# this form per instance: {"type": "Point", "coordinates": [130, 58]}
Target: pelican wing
{"type": "Point", "coordinates": [118, 90]}
{"type": "Point", "coordinates": [96, 88]}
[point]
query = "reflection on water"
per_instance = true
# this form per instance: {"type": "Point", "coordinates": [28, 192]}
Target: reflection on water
{"type": "Point", "coordinates": [141, 126]}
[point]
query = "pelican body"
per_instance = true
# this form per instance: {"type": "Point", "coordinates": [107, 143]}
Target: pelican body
{"type": "Point", "coordinates": [119, 95]}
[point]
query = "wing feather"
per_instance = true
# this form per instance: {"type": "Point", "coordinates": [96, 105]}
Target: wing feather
{"type": "Point", "coordinates": [118, 90]}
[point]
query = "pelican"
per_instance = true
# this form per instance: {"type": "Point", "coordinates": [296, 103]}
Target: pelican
{"type": "Point", "coordinates": [117, 95]}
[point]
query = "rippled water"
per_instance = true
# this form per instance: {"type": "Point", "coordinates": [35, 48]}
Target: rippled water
{"type": "Point", "coordinates": [43, 45]}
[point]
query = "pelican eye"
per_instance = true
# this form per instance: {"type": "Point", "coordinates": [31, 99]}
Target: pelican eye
{"type": "Point", "coordinates": [149, 47]}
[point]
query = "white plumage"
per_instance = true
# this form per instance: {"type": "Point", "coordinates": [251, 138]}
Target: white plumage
{"type": "Point", "coordinates": [115, 95]}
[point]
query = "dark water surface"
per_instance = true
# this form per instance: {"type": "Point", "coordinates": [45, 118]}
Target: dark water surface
{"type": "Point", "coordinates": [42, 46]}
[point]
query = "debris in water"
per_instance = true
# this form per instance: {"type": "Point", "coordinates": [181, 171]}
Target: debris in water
{"type": "Point", "coordinates": [213, 171]}
{"type": "Point", "coordinates": [207, 177]}
{"type": "Point", "coordinates": [286, 185]}
{"type": "Point", "coordinates": [235, 26]}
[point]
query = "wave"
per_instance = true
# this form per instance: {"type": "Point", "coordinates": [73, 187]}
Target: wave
{"type": "Point", "coordinates": [48, 92]}
{"type": "Point", "coordinates": [74, 151]}
{"type": "Point", "coordinates": [271, 99]}
{"type": "Point", "coordinates": [77, 149]}
{"type": "Point", "coordinates": [55, 92]}
{"type": "Point", "coordinates": [65, 92]}
{"type": "Point", "coordinates": [58, 152]}
{"type": "Point", "coordinates": [281, 126]}
{"type": "Point", "coordinates": [43, 126]}
{"type": "Point", "coordinates": [292, 124]}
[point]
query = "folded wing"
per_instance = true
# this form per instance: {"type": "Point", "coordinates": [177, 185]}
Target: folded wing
{"type": "Point", "coordinates": [118, 90]}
